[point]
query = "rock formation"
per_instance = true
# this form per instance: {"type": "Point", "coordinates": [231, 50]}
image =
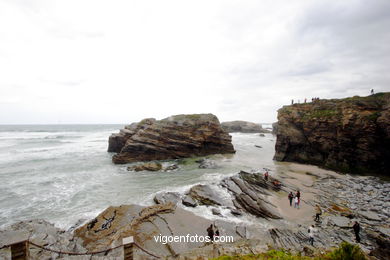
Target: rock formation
{"type": "Point", "coordinates": [275, 128]}
{"type": "Point", "coordinates": [174, 137]}
{"type": "Point", "coordinates": [347, 135]}
{"type": "Point", "coordinates": [243, 127]}
{"type": "Point", "coordinates": [343, 200]}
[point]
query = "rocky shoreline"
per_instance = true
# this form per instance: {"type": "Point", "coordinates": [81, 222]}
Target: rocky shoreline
{"type": "Point", "coordinates": [245, 206]}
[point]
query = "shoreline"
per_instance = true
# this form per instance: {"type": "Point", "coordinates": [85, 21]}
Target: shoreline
{"type": "Point", "coordinates": [314, 184]}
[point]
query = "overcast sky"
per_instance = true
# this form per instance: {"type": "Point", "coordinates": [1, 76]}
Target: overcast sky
{"type": "Point", "coordinates": [90, 61]}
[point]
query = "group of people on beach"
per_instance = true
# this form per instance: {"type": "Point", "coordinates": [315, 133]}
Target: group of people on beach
{"type": "Point", "coordinates": [295, 198]}
{"type": "Point", "coordinates": [318, 212]}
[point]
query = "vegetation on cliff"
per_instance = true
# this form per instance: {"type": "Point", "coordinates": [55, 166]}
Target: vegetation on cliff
{"type": "Point", "coordinates": [347, 135]}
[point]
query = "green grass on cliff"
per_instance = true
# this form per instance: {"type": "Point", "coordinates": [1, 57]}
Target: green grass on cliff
{"type": "Point", "coordinates": [345, 251]}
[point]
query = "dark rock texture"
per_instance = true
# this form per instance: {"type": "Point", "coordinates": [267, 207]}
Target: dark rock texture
{"type": "Point", "coordinates": [243, 127]}
{"type": "Point", "coordinates": [174, 137]}
{"type": "Point", "coordinates": [347, 135]}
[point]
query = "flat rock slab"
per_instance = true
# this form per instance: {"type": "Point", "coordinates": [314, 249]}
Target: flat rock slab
{"type": "Point", "coordinates": [370, 215]}
{"type": "Point", "coordinates": [340, 221]}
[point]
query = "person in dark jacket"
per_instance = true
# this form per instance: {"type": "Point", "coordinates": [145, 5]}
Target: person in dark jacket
{"type": "Point", "coordinates": [290, 198]}
{"type": "Point", "coordinates": [318, 213]}
{"type": "Point", "coordinates": [298, 195]}
{"type": "Point", "coordinates": [210, 232]}
{"type": "Point", "coordinates": [356, 229]}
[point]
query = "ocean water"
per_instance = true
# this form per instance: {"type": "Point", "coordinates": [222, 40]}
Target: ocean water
{"type": "Point", "coordinates": [63, 173]}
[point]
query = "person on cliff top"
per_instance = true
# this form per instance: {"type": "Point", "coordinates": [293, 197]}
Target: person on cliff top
{"type": "Point", "coordinates": [356, 229]}
{"type": "Point", "coordinates": [266, 174]}
{"type": "Point", "coordinates": [311, 231]}
{"type": "Point", "coordinates": [296, 202]}
{"type": "Point", "coordinates": [318, 213]}
{"type": "Point", "coordinates": [292, 101]}
{"type": "Point", "coordinates": [290, 198]}
{"type": "Point", "coordinates": [372, 91]}
{"type": "Point", "coordinates": [210, 232]}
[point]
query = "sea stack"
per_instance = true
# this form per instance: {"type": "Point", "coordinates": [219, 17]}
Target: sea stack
{"type": "Point", "coordinates": [347, 135]}
{"type": "Point", "coordinates": [243, 127]}
{"type": "Point", "coordinates": [178, 136]}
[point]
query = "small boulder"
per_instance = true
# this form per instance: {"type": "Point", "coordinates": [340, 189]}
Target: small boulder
{"type": "Point", "coordinates": [150, 166]}
{"type": "Point", "coordinates": [189, 202]}
{"type": "Point", "coordinates": [216, 212]}
{"type": "Point", "coordinates": [171, 167]}
{"type": "Point", "coordinates": [207, 164]}
{"type": "Point", "coordinates": [166, 197]}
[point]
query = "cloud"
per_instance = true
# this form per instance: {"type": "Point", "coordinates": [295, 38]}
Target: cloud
{"type": "Point", "coordinates": [90, 61]}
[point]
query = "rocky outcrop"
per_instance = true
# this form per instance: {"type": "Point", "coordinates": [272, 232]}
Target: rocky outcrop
{"type": "Point", "coordinates": [44, 234]}
{"type": "Point", "coordinates": [153, 167]}
{"type": "Point", "coordinates": [275, 128]}
{"type": "Point", "coordinates": [150, 166]}
{"type": "Point", "coordinates": [174, 137]}
{"type": "Point", "coordinates": [243, 127]}
{"type": "Point", "coordinates": [347, 135]}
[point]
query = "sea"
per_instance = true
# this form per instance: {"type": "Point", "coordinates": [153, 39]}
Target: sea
{"type": "Point", "coordinates": [64, 174]}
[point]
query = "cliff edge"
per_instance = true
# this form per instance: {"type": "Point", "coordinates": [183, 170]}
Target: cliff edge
{"type": "Point", "coordinates": [347, 135]}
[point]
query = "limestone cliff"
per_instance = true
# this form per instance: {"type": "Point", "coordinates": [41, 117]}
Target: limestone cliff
{"type": "Point", "coordinates": [348, 135]}
{"type": "Point", "coordinates": [174, 137]}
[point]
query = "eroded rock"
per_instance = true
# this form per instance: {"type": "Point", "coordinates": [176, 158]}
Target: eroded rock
{"type": "Point", "coordinates": [179, 136]}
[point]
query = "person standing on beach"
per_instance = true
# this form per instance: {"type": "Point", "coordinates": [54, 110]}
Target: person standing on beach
{"type": "Point", "coordinates": [210, 233]}
{"type": "Point", "coordinates": [356, 229]}
{"type": "Point", "coordinates": [290, 198]}
{"type": "Point", "coordinates": [318, 213]}
{"type": "Point", "coordinates": [296, 202]}
{"type": "Point", "coordinates": [298, 195]}
{"type": "Point", "coordinates": [311, 231]}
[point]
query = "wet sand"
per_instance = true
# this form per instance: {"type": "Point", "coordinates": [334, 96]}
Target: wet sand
{"type": "Point", "coordinates": [299, 177]}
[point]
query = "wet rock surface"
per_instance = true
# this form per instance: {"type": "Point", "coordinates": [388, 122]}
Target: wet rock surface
{"type": "Point", "coordinates": [179, 136]}
{"type": "Point", "coordinates": [205, 195]}
{"type": "Point", "coordinates": [207, 164]}
{"type": "Point", "coordinates": [153, 166]}
{"type": "Point", "coordinates": [167, 197]}
{"type": "Point", "coordinates": [42, 233]}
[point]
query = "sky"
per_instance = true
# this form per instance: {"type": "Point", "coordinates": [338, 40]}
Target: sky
{"type": "Point", "coordinates": [93, 61]}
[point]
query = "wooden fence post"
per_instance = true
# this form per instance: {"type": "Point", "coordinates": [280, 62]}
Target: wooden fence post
{"type": "Point", "coordinates": [128, 245]}
{"type": "Point", "coordinates": [19, 251]}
